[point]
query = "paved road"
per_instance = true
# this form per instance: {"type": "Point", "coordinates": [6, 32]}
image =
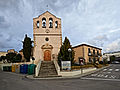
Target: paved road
{"type": "Point", "coordinates": [11, 81]}
{"type": "Point", "coordinates": [110, 73]}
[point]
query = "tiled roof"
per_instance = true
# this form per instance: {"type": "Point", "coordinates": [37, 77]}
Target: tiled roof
{"type": "Point", "coordinates": [86, 45]}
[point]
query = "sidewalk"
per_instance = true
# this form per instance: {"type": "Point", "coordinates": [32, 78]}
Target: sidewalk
{"type": "Point", "coordinates": [66, 77]}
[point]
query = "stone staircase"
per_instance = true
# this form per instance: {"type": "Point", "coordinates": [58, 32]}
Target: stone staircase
{"type": "Point", "coordinates": [47, 69]}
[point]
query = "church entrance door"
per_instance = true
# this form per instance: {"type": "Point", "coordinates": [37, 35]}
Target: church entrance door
{"type": "Point", "coordinates": [47, 55]}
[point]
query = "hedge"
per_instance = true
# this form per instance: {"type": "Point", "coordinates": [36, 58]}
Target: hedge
{"type": "Point", "coordinates": [84, 66]}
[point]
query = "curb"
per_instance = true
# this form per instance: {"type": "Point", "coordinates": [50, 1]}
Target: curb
{"type": "Point", "coordinates": [66, 77]}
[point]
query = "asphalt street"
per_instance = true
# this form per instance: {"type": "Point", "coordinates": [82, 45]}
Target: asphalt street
{"type": "Point", "coordinates": [12, 81]}
{"type": "Point", "coordinates": [110, 73]}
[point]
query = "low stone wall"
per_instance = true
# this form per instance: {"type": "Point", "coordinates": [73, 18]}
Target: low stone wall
{"type": "Point", "coordinates": [76, 72]}
{"type": "Point", "coordinates": [7, 64]}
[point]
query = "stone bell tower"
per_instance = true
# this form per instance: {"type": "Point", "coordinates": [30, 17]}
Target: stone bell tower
{"type": "Point", "coordinates": [47, 35]}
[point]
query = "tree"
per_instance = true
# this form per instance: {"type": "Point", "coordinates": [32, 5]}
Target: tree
{"type": "Point", "coordinates": [105, 61]}
{"type": "Point", "coordinates": [112, 58]}
{"type": "Point", "coordinates": [27, 45]}
{"type": "Point", "coordinates": [11, 57]}
{"type": "Point", "coordinates": [18, 57]}
{"type": "Point", "coordinates": [3, 59]}
{"type": "Point", "coordinates": [0, 59]}
{"type": "Point", "coordinates": [64, 54]}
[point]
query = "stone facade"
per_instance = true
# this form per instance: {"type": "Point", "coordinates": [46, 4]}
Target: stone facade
{"type": "Point", "coordinates": [47, 35]}
{"type": "Point", "coordinates": [87, 53]}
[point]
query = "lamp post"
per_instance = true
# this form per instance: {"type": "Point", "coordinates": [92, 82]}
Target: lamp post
{"type": "Point", "coordinates": [98, 59]}
{"type": "Point", "coordinates": [70, 50]}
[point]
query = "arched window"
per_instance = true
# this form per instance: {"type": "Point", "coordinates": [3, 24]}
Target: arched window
{"type": "Point", "coordinates": [50, 23]}
{"type": "Point", "coordinates": [56, 24]}
{"type": "Point", "coordinates": [37, 24]}
{"type": "Point", "coordinates": [43, 22]}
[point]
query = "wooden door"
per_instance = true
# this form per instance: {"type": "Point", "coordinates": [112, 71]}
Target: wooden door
{"type": "Point", "coordinates": [47, 55]}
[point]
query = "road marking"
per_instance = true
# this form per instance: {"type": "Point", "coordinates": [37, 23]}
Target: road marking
{"type": "Point", "coordinates": [106, 76]}
{"type": "Point", "coordinates": [116, 70]}
{"type": "Point", "coordinates": [108, 72]}
{"type": "Point", "coordinates": [98, 75]}
{"type": "Point", "coordinates": [105, 70]}
{"type": "Point", "coordinates": [94, 75]}
{"type": "Point", "coordinates": [112, 76]}
{"type": "Point", "coordinates": [102, 79]}
{"type": "Point", "coordinates": [101, 75]}
{"type": "Point", "coordinates": [110, 69]}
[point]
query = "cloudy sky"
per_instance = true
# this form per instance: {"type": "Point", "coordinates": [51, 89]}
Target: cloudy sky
{"type": "Point", "coordinates": [96, 22]}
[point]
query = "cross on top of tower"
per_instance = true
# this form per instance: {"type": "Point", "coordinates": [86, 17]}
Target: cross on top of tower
{"type": "Point", "coordinates": [47, 7]}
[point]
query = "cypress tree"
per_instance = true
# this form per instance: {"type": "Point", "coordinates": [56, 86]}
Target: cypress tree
{"type": "Point", "coordinates": [64, 54]}
{"type": "Point", "coordinates": [27, 45]}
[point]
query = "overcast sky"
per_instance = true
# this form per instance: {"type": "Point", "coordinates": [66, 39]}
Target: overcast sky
{"type": "Point", "coordinates": [95, 22]}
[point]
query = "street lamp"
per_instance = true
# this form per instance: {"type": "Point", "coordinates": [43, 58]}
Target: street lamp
{"type": "Point", "coordinates": [98, 59]}
{"type": "Point", "coordinates": [69, 50]}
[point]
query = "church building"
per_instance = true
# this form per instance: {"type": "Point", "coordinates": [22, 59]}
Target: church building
{"type": "Point", "coordinates": [47, 35]}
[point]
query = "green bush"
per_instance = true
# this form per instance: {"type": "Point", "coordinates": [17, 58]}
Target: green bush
{"type": "Point", "coordinates": [98, 65]}
{"type": "Point", "coordinates": [84, 66]}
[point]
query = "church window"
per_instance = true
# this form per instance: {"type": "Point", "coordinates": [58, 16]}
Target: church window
{"type": "Point", "coordinates": [50, 23]}
{"type": "Point", "coordinates": [43, 22]}
{"type": "Point", "coordinates": [47, 39]}
{"type": "Point", "coordinates": [37, 24]}
{"type": "Point", "coordinates": [56, 24]}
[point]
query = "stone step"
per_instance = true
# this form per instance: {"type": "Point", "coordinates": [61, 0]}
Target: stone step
{"type": "Point", "coordinates": [47, 69]}
{"type": "Point", "coordinates": [47, 73]}
{"type": "Point", "coordinates": [47, 62]}
{"type": "Point", "coordinates": [47, 66]}
{"type": "Point", "coordinates": [48, 76]}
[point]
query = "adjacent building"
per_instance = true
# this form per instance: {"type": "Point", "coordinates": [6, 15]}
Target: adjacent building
{"type": "Point", "coordinates": [11, 51]}
{"type": "Point", "coordinates": [3, 53]}
{"type": "Point", "coordinates": [109, 54]}
{"type": "Point", "coordinates": [87, 54]}
{"type": "Point", "coordinates": [47, 35]}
